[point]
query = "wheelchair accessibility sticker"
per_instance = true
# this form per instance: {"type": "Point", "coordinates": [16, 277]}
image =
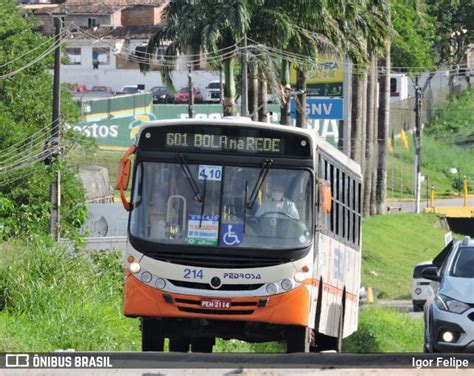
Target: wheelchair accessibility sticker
{"type": "Point", "coordinates": [232, 235]}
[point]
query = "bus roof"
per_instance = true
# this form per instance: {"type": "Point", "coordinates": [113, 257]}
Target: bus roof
{"type": "Point", "coordinates": [318, 142]}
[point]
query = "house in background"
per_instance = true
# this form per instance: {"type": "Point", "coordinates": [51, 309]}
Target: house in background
{"type": "Point", "coordinates": [107, 39]}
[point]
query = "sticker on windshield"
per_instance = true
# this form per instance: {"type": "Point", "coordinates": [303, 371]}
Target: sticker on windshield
{"type": "Point", "coordinates": [232, 235]}
{"type": "Point", "coordinates": [207, 172]}
{"type": "Point", "coordinates": [203, 231]}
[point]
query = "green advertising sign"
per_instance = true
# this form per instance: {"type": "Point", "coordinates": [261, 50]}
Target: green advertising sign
{"type": "Point", "coordinates": [114, 122]}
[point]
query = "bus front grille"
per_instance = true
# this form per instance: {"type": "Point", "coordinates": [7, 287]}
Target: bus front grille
{"type": "Point", "coordinates": [216, 261]}
{"type": "Point", "coordinates": [206, 286]}
{"type": "Point", "coordinates": [216, 311]}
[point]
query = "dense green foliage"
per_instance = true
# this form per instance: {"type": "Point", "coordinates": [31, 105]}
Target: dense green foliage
{"type": "Point", "coordinates": [454, 28]}
{"type": "Point", "coordinates": [385, 330]}
{"type": "Point", "coordinates": [414, 34]}
{"type": "Point", "coordinates": [393, 245]}
{"type": "Point", "coordinates": [54, 298]}
{"type": "Point", "coordinates": [25, 118]}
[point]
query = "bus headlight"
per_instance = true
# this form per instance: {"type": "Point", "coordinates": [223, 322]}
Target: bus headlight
{"type": "Point", "coordinates": [299, 277]}
{"type": "Point", "coordinates": [146, 277]}
{"type": "Point", "coordinates": [286, 284]}
{"type": "Point", "coordinates": [160, 283]}
{"type": "Point", "coordinates": [272, 288]}
{"type": "Point", "coordinates": [135, 267]}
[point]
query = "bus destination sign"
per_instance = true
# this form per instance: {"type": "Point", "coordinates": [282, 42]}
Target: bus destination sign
{"type": "Point", "coordinates": [224, 143]}
{"type": "Point", "coordinates": [197, 138]}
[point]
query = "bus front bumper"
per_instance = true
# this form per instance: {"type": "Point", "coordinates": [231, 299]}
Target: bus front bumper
{"type": "Point", "coordinates": [290, 308]}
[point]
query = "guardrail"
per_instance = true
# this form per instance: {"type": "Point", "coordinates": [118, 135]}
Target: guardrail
{"type": "Point", "coordinates": [464, 193]}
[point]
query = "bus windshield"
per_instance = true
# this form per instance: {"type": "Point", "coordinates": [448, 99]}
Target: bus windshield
{"type": "Point", "coordinates": [222, 206]}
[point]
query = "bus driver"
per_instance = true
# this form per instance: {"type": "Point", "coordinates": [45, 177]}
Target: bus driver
{"type": "Point", "coordinates": [278, 203]}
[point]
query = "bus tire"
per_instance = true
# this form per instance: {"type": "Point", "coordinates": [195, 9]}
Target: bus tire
{"type": "Point", "coordinates": [203, 344]}
{"type": "Point", "coordinates": [179, 344]}
{"type": "Point", "coordinates": [298, 339]}
{"type": "Point", "coordinates": [152, 337]}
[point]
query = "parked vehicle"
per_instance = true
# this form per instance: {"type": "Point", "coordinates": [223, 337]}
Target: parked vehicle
{"type": "Point", "coordinates": [161, 95]}
{"type": "Point", "coordinates": [102, 89]}
{"type": "Point", "coordinates": [449, 310]}
{"type": "Point", "coordinates": [131, 89]}
{"type": "Point", "coordinates": [420, 286]}
{"type": "Point", "coordinates": [78, 88]}
{"type": "Point", "coordinates": [213, 92]}
{"type": "Point", "coordinates": [182, 96]}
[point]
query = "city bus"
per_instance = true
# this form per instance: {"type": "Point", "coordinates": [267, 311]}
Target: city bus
{"type": "Point", "coordinates": [240, 230]}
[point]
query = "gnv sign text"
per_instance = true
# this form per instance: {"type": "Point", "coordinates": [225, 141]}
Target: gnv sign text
{"type": "Point", "coordinates": [322, 108]}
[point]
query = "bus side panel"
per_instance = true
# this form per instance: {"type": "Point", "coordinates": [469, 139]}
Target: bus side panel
{"type": "Point", "coordinates": [339, 265]}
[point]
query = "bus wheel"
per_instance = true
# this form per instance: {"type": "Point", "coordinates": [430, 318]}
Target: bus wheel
{"type": "Point", "coordinates": [152, 337]}
{"type": "Point", "coordinates": [298, 339]}
{"type": "Point", "coordinates": [203, 344]}
{"type": "Point", "coordinates": [179, 344]}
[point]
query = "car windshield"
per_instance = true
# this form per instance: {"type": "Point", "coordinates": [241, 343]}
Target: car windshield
{"type": "Point", "coordinates": [130, 90]}
{"type": "Point", "coordinates": [212, 205]}
{"type": "Point", "coordinates": [159, 90]}
{"type": "Point", "coordinates": [214, 85]}
{"type": "Point", "coordinates": [99, 88]}
{"type": "Point", "coordinates": [463, 263]}
{"type": "Point", "coordinates": [184, 90]}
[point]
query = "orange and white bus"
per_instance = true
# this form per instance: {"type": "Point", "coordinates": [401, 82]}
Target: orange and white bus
{"type": "Point", "coordinates": [242, 230]}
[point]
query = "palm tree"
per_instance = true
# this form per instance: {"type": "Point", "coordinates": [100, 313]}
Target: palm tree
{"type": "Point", "coordinates": [204, 25]}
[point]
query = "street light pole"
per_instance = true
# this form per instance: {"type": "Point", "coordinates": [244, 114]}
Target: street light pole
{"type": "Point", "coordinates": [55, 187]}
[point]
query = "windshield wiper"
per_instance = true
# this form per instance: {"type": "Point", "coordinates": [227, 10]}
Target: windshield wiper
{"type": "Point", "coordinates": [261, 178]}
{"type": "Point", "coordinates": [187, 172]}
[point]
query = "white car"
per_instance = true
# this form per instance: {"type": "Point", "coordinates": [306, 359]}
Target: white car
{"type": "Point", "coordinates": [420, 286]}
{"type": "Point", "coordinates": [212, 92]}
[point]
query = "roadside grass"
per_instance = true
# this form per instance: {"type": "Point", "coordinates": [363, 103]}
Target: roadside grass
{"type": "Point", "coordinates": [385, 330]}
{"type": "Point", "coordinates": [53, 298]}
{"type": "Point", "coordinates": [392, 245]}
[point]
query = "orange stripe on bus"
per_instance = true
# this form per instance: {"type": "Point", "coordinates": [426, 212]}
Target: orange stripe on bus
{"type": "Point", "coordinates": [291, 308]}
{"type": "Point", "coordinates": [330, 289]}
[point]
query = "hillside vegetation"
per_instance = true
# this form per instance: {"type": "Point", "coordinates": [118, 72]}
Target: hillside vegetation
{"type": "Point", "coordinates": [393, 245]}
{"type": "Point", "coordinates": [448, 142]}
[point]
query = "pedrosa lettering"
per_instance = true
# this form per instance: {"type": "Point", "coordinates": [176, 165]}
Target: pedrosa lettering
{"type": "Point", "coordinates": [242, 276]}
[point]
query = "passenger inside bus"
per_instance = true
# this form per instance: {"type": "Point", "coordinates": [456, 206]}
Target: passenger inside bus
{"type": "Point", "coordinates": [277, 203]}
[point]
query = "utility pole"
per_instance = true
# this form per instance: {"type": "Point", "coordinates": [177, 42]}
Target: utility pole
{"type": "Point", "coordinates": [417, 147]}
{"type": "Point", "coordinates": [190, 92]}
{"type": "Point", "coordinates": [55, 188]}
{"type": "Point", "coordinates": [244, 94]}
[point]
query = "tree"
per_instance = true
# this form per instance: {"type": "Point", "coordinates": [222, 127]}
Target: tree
{"type": "Point", "coordinates": [25, 117]}
{"type": "Point", "coordinates": [206, 25]}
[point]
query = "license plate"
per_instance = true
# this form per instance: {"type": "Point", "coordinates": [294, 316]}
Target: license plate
{"type": "Point", "coordinates": [216, 303]}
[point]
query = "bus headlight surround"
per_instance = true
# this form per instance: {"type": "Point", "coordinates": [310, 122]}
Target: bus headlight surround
{"type": "Point", "coordinates": [160, 283]}
{"type": "Point", "coordinates": [135, 267]}
{"type": "Point", "coordinates": [272, 288]}
{"type": "Point", "coordinates": [286, 284]}
{"type": "Point", "coordinates": [299, 277]}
